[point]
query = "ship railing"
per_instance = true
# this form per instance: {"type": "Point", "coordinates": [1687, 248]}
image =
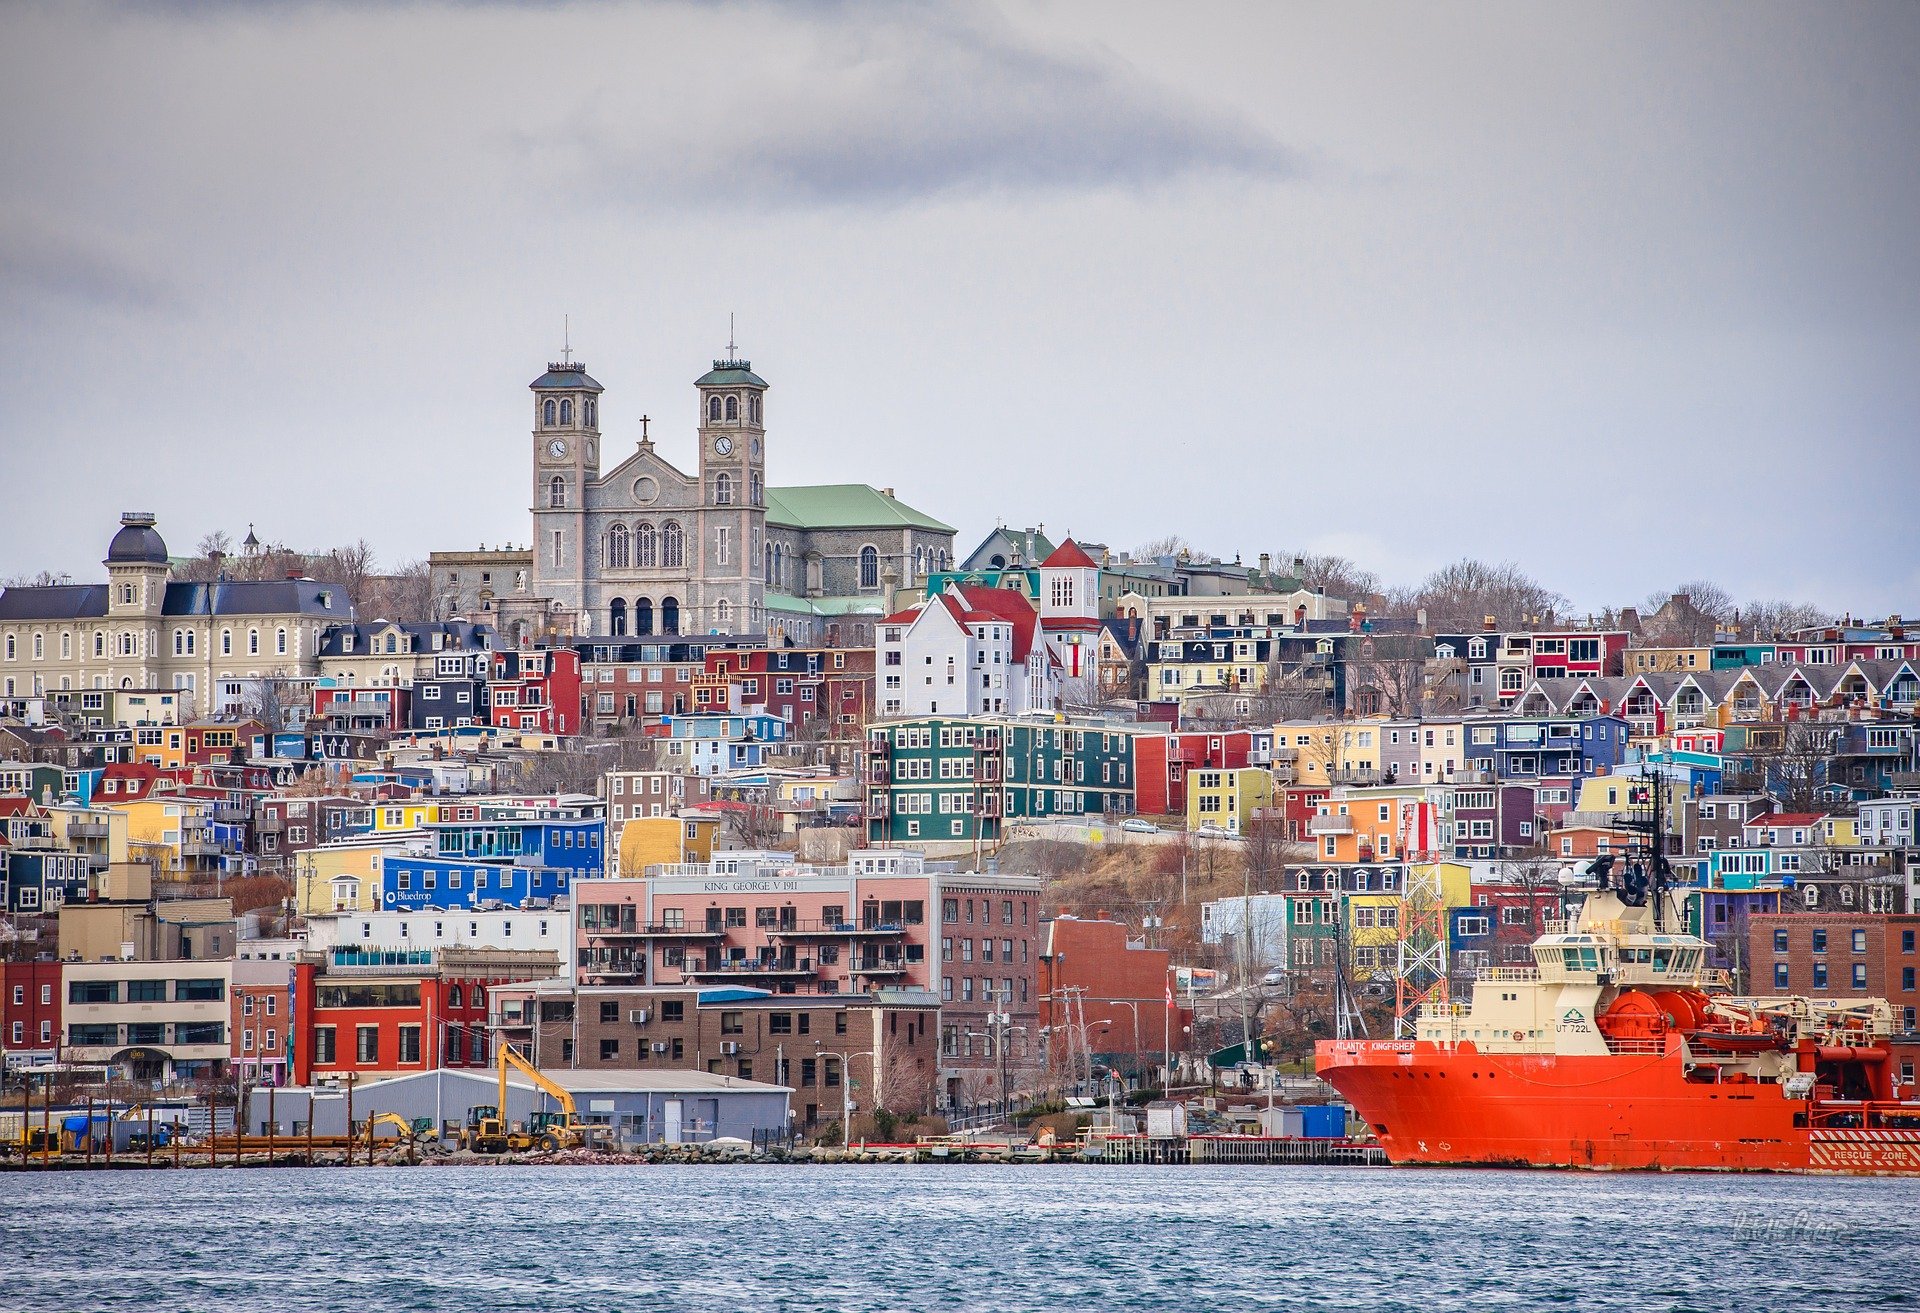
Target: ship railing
{"type": "Point", "coordinates": [1555, 926]}
{"type": "Point", "coordinates": [1513, 975]}
{"type": "Point", "coordinates": [1644, 1046]}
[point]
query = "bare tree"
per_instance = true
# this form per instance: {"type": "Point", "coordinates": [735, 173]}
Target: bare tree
{"type": "Point", "coordinates": [404, 595]}
{"type": "Point", "coordinates": [1287, 694]}
{"type": "Point", "coordinates": [1339, 575]}
{"type": "Point", "coordinates": [275, 701]}
{"type": "Point", "coordinates": [1392, 680]}
{"type": "Point", "coordinates": [41, 579]}
{"type": "Point", "coordinates": [352, 567]}
{"type": "Point", "coordinates": [1800, 770]}
{"type": "Point", "coordinates": [1170, 544]}
{"type": "Point", "coordinates": [1690, 615]}
{"type": "Point", "coordinates": [1765, 620]}
{"type": "Point", "coordinates": [1463, 593]}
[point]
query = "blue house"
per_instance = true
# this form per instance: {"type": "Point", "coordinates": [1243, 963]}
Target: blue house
{"type": "Point", "coordinates": [510, 861]}
{"type": "Point", "coordinates": [716, 744]}
{"type": "Point", "coordinates": [37, 881]}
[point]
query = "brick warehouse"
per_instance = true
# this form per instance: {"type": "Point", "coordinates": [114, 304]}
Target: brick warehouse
{"type": "Point", "coordinates": [1839, 955]}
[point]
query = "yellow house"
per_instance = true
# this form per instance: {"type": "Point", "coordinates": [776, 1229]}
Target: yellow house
{"type": "Point", "coordinates": [169, 830]}
{"type": "Point", "coordinates": [341, 877]}
{"type": "Point", "coordinates": [664, 841]}
{"type": "Point", "coordinates": [1373, 930]}
{"type": "Point", "coordinates": [1612, 795]}
{"type": "Point", "coordinates": [1227, 798]}
{"type": "Point", "coordinates": [1310, 747]}
{"type": "Point", "coordinates": [102, 832]}
{"type": "Point", "coordinates": [1840, 831]}
{"type": "Point", "coordinates": [1442, 749]}
{"type": "Point", "coordinates": [160, 745]}
{"type": "Point", "coordinates": [403, 816]}
{"type": "Point", "coordinates": [1668, 660]}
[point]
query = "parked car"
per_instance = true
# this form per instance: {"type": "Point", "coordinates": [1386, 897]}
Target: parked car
{"type": "Point", "coordinates": [1138, 826]}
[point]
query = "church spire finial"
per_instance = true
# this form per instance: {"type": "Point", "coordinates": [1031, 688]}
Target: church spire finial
{"type": "Point", "coordinates": [566, 338]}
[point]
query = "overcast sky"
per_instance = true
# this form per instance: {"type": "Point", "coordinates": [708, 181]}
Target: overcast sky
{"type": "Point", "coordinates": [1628, 294]}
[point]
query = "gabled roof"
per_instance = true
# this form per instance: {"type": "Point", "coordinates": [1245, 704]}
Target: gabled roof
{"type": "Point", "coordinates": [845, 506]}
{"type": "Point", "coordinates": [1001, 605]}
{"type": "Point", "coordinates": [1772, 820]}
{"type": "Point", "coordinates": [1068, 556]}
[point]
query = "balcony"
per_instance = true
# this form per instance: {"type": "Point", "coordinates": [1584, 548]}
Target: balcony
{"type": "Point", "coordinates": [232, 815]}
{"type": "Point", "coordinates": [802, 966]}
{"type": "Point", "coordinates": [200, 848]}
{"type": "Point", "coordinates": [833, 928]}
{"type": "Point", "coordinates": [86, 829]}
{"type": "Point", "coordinates": [877, 967]}
{"type": "Point", "coordinates": [271, 824]}
{"type": "Point", "coordinates": [1330, 825]}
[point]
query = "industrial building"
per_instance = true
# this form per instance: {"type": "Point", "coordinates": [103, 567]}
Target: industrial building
{"type": "Point", "coordinates": [642, 1107]}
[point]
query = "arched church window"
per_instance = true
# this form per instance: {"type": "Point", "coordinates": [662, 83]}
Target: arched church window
{"type": "Point", "coordinates": [723, 489]}
{"type": "Point", "coordinates": [589, 412]}
{"type": "Point", "coordinates": [556, 493]}
{"type": "Point", "coordinates": [757, 488]}
{"type": "Point", "coordinates": [548, 413]}
{"type": "Point", "coordinates": [645, 544]}
{"type": "Point", "coordinates": [673, 548]}
{"type": "Point", "coordinates": [566, 413]}
{"type": "Point", "coordinates": [642, 616]}
{"type": "Point", "coordinates": [617, 617]}
{"type": "Point", "coordinates": [723, 615]}
{"type": "Point", "coordinates": [669, 615]}
{"type": "Point", "coordinates": [753, 407]}
{"type": "Point", "coordinates": [733, 407]}
{"type": "Point", "coordinates": [713, 409]}
{"type": "Point", "coordinates": [869, 567]}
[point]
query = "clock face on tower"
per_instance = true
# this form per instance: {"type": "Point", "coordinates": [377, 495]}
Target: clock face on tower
{"type": "Point", "coordinates": [557, 448]}
{"type": "Point", "coordinates": [755, 444]}
{"type": "Point", "coordinates": [723, 445]}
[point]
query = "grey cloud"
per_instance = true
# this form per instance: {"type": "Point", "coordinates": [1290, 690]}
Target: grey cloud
{"type": "Point", "coordinates": [884, 111]}
{"type": "Point", "coordinates": [65, 262]}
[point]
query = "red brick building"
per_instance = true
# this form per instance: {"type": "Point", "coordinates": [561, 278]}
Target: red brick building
{"type": "Point", "coordinates": [1839, 955]}
{"type": "Point", "coordinates": [538, 690]}
{"type": "Point", "coordinates": [1106, 995]}
{"type": "Point", "coordinates": [29, 1012]}
{"type": "Point", "coordinates": [260, 1036]}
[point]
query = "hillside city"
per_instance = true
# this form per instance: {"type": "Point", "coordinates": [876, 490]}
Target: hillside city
{"type": "Point", "coordinates": [793, 786]}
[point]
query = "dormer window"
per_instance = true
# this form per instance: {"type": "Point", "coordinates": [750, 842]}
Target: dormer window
{"type": "Point", "coordinates": [547, 413]}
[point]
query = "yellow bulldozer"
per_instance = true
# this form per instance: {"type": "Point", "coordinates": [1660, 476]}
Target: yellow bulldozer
{"type": "Point", "coordinates": [488, 1131]}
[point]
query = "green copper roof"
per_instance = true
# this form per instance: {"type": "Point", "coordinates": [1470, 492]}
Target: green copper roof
{"type": "Point", "coordinates": [844, 506]}
{"type": "Point", "coordinates": [730, 373]}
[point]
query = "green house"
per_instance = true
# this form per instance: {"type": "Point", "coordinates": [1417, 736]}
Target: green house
{"type": "Point", "coordinates": [960, 778]}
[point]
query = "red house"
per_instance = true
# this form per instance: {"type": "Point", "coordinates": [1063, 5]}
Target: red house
{"type": "Point", "coordinates": [29, 1011]}
{"type": "Point", "coordinates": [800, 685]}
{"type": "Point", "coordinates": [1163, 761]}
{"type": "Point", "coordinates": [536, 690]}
{"type": "Point", "coordinates": [369, 1012]}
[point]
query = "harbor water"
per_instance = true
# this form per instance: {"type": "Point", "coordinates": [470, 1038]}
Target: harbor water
{"type": "Point", "coordinates": [860, 1239]}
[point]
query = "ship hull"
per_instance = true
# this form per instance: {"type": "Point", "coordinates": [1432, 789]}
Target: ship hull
{"type": "Point", "coordinates": [1457, 1106]}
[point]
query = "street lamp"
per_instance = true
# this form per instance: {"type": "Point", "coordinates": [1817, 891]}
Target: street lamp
{"type": "Point", "coordinates": [846, 1089]}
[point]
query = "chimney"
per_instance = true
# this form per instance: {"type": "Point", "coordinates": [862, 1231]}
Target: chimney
{"type": "Point", "coordinates": [1420, 618]}
{"type": "Point", "coordinates": [1489, 623]}
{"type": "Point", "coordinates": [886, 492]}
{"type": "Point", "coordinates": [1354, 618]}
{"type": "Point", "coordinates": [1266, 562]}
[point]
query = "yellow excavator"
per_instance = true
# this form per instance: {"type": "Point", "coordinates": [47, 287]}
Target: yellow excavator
{"type": "Point", "coordinates": [419, 1127]}
{"type": "Point", "coordinates": [487, 1130]}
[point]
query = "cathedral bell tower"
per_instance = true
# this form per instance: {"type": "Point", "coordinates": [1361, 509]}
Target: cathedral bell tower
{"type": "Point", "coordinates": [733, 480]}
{"type": "Point", "coordinates": [566, 458]}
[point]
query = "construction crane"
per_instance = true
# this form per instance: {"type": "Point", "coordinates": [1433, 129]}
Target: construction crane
{"type": "Point", "coordinates": [487, 1129]}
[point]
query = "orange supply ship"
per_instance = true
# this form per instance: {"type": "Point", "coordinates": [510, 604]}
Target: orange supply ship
{"type": "Point", "coordinates": [1619, 1049]}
